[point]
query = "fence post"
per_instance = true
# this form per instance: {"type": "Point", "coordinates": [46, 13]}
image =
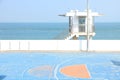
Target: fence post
{"type": "Point", "coordinates": [19, 45]}
{"type": "Point", "coordinates": [28, 45]}
{"type": "Point", "coordinates": [0, 45]}
{"type": "Point", "coordinates": [9, 45]}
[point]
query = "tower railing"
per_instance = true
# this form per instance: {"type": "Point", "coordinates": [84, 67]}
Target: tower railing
{"type": "Point", "coordinates": [82, 28]}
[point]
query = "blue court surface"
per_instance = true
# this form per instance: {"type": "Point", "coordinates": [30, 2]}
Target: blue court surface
{"type": "Point", "coordinates": [47, 66]}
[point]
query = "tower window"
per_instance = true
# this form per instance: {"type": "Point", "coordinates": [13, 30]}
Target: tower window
{"type": "Point", "coordinates": [82, 20]}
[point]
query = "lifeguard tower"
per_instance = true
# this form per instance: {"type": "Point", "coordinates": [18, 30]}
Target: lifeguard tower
{"type": "Point", "coordinates": [81, 24]}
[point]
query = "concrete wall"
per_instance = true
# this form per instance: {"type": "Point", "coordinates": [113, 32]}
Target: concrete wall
{"type": "Point", "coordinates": [105, 45]}
{"type": "Point", "coordinates": [57, 45]}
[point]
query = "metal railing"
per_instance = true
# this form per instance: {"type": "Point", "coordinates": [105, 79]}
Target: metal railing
{"type": "Point", "coordinates": [82, 28]}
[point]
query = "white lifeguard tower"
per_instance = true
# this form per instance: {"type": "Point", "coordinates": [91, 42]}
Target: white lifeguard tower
{"type": "Point", "coordinates": [79, 22]}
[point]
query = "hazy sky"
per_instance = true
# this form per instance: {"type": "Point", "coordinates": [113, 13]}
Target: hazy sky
{"type": "Point", "coordinates": [48, 10]}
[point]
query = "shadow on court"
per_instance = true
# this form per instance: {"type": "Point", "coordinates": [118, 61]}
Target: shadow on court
{"type": "Point", "coordinates": [2, 77]}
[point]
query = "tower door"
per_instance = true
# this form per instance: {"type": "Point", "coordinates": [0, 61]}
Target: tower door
{"type": "Point", "coordinates": [70, 24]}
{"type": "Point", "coordinates": [81, 24]}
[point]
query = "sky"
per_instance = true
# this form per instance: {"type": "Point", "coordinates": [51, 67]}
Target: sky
{"type": "Point", "coordinates": [48, 10]}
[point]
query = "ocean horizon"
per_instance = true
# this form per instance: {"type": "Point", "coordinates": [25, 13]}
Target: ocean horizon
{"type": "Point", "coordinates": [54, 31]}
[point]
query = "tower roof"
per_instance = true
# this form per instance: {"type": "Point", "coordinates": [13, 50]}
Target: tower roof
{"type": "Point", "coordinates": [78, 13]}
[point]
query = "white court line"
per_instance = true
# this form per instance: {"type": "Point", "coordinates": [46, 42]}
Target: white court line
{"type": "Point", "coordinates": [88, 71]}
{"type": "Point", "coordinates": [56, 68]}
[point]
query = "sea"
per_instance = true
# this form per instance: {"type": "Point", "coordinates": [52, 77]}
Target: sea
{"type": "Point", "coordinates": [53, 31]}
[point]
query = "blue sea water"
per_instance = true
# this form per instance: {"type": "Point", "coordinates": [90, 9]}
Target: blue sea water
{"type": "Point", "coordinates": [107, 31]}
{"type": "Point", "coordinates": [49, 31]}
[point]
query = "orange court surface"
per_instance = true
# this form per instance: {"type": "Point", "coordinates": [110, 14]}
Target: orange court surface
{"type": "Point", "coordinates": [77, 71]}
